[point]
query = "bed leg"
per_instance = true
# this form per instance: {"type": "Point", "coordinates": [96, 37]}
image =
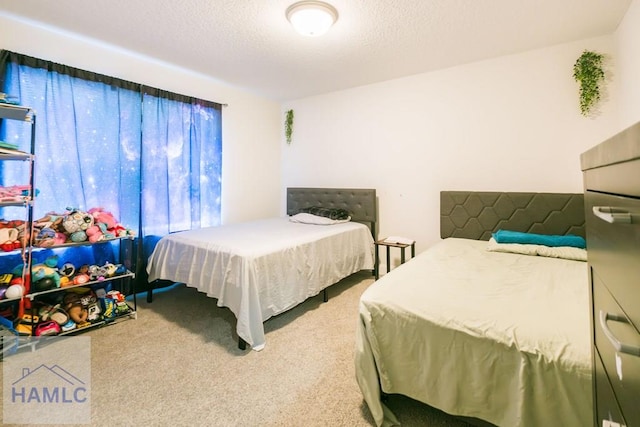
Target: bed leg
{"type": "Point", "coordinates": [325, 295]}
{"type": "Point", "coordinates": [242, 344]}
{"type": "Point", "coordinates": [150, 295]}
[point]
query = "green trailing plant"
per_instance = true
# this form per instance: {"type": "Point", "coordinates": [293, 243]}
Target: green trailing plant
{"type": "Point", "coordinates": [288, 125]}
{"type": "Point", "coordinates": [588, 72]}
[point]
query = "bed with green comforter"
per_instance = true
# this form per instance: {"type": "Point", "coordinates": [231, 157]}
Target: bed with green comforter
{"type": "Point", "coordinates": [477, 332]}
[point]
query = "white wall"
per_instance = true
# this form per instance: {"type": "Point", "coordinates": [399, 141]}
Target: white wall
{"type": "Point", "coordinates": [251, 126]}
{"type": "Point", "coordinates": [507, 124]}
{"type": "Point", "coordinates": [628, 65]}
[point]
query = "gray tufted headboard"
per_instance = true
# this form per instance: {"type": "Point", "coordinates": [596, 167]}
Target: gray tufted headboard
{"type": "Point", "coordinates": [360, 202]}
{"type": "Point", "coordinates": [476, 214]}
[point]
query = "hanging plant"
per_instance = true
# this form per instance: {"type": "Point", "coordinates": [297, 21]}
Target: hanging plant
{"type": "Point", "coordinates": [288, 125]}
{"type": "Point", "coordinates": [588, 72]}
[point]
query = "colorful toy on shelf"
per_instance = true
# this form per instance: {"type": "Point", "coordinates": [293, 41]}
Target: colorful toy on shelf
{"type": "Point", "coordinates": [49, 230]}
{"type": "Point", "coordinates": [81, 279]}
{"type": "Point", "coordinates": [25, 323]}
{"type": "Point", "coordinates": [97, 273]}
{"type": "Point", "coordinates": [5, 279]}
{"type": "Point", "coordinates": [76, 220]}
{"type": "Point", "coordinates": [14, 223]}
{"type": "Point", "coordinates": [69, 326]}
{"type": "Point", "coordinates": [120, 270]}
{"type": "Point", "coordinates": [9, 237]}
{"type": "Point", "coordinates": [14, 291]}
{"type": "Point", "coordinates": [110, 269]}
{"type": "Point", "coordinates": [82, 306]}
{"type": "Point", "coordinates": [45, 276]}
{"type": "Point", "coordinates": [15, 193]}
{"type": "Point", "coordinates": [77, 226]}
{"type": "Point", "coordinates": [48, 237]}
{"type": "Point", "coordinates": [47, 328]}
{"type": "Point", "coordinates": [120, 302]}
{"type": "Point", "coordinates": [82, 275]}
{"type": "Point", "coordinates": [45, 237]}
{"type": "Point", "coordinates": [73, 306]}
{"type": "Point", "coordinates": [53, 312]}
{"type": "Point", "coordinates": [108, 307]}
{"type": "Point", "coordinates": [108, 224]}
{"type": "Point", "coordinates": [94, 311]}
{"type": "Point", "coordinates": [67, 271]}
{"type": "Point", "coordinates": [95, 234]}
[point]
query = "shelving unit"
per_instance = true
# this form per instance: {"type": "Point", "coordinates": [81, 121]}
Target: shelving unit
{"type": "Point", "coordinates": [24, 114]}
{"type": "Point", "coordinates": [122, 282]}
{"type": "Point", "coordinates": [27, 115]}
{"type": "Point", "coordinates": [29, 303]}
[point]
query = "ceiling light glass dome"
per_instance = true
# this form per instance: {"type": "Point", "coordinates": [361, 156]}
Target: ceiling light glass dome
{"type": "Point", "coordinates": [312, 18]}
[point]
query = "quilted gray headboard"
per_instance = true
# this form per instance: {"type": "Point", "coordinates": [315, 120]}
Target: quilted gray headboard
{"type": "Point", "coordinates": [360, 202]}
{"type": "Point", "coordinates": [476, 214]}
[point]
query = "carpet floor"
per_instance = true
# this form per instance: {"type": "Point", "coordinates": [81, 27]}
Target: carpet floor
{"type": "Point", "coordinates": [178, 364]}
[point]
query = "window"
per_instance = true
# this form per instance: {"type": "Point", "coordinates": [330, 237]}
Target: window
{"type": "Point", "coordinates": [150, 157]}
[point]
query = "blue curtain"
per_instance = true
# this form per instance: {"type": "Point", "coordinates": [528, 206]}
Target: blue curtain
{"type": "Point", "coordinates": [87, 142]}
{"type": "Point", "coordinates": [182, 164]}
{"type": "Point", "coordinates": [152, 158]}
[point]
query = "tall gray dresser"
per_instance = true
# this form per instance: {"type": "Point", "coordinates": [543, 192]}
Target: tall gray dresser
{"type": "Point", "coordinates": [611, 172]}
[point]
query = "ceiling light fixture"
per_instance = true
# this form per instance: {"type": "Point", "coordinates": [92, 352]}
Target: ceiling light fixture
{"type": "Point", "coordinates": [312, 18]}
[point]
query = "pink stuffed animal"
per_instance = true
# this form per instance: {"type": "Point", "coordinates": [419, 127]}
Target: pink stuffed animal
{"type": "Point", "coordinates": [100, 215]}
{"type": "Point", "coordinates": [108, 224]}
{"type": "Point", "coordinates": [95, 234]}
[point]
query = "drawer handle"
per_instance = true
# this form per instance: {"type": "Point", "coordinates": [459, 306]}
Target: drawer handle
{"type": "Point", "coordinates": [615, 342]}
{"type": "Point", "coordinates": [612, 215]}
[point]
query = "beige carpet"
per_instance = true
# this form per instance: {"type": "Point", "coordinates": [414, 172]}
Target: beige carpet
{"type": "Point", "coordinates": [178, 364]}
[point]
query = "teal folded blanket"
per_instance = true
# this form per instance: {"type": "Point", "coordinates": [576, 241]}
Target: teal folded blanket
{"type": "Point", "coordinates": [506, 236]}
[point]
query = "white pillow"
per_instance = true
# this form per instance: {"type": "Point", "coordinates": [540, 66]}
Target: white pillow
{"type": "Point", "coordinates": [307, 218]}
{"type": "Point", "coordinates": [565, 252]}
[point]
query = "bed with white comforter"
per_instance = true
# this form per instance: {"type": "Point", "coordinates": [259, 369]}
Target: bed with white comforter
{"type": "Point", "coordinates": [261, 268]}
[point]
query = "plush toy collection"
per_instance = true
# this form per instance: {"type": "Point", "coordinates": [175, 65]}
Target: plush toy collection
{"type": "Point", "coordinates": [74, 309]}
{"type": "Point", "coordinates": [15, 193]}
{"type": "Point", "coordinates": [76, 225]}
{"type": "Point", "coordinates": [47, 275]}
{"type": "Point", "coordinates": [55, 229]}
{"type": "Point", "coordinates": [76, 306]}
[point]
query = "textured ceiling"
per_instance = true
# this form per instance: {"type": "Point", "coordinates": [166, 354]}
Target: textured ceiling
{"type": "Point", "coordinates": [250, 44]}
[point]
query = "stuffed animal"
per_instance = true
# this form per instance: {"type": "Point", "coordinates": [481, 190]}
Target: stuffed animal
{"type": "Point", "coordinates": [77, 221]}
{"type": "Point", "coordinates": [60, 238]}
{"type": "Point", "coordinates": [45, 237]}
{"type": "Point", "coordinates": [46, 272]}
{"type": "Point", "coordinates": [97, 273]}
{"type": "Point", "coordinates": [110, 269]}
{"type": "Point", "coordinates": [77, 311]}
{"type": "Point", "coordinates": [100, 215]}
{"type": "Point", "coordinates": [9, 239]}
{"type": "Point", "coordinates": [106, 222]}
{"type": "Point", "coordinates": [95, 234]}
{"type": "Point", "coordinates": [80, 279]}
{"type": "Point", "coordinates": [14, 291]}
{"type": "Point", "coordinates": [78, 236]}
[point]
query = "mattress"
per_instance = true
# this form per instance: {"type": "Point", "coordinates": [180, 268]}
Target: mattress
{"type": "Point", "coordinates": [262, 268]}
{"type": "Point", "coordinates": [496, 336]}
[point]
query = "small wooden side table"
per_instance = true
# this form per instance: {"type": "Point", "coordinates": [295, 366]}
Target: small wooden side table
{"type": "Point", "coordinates": [390, 245]}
